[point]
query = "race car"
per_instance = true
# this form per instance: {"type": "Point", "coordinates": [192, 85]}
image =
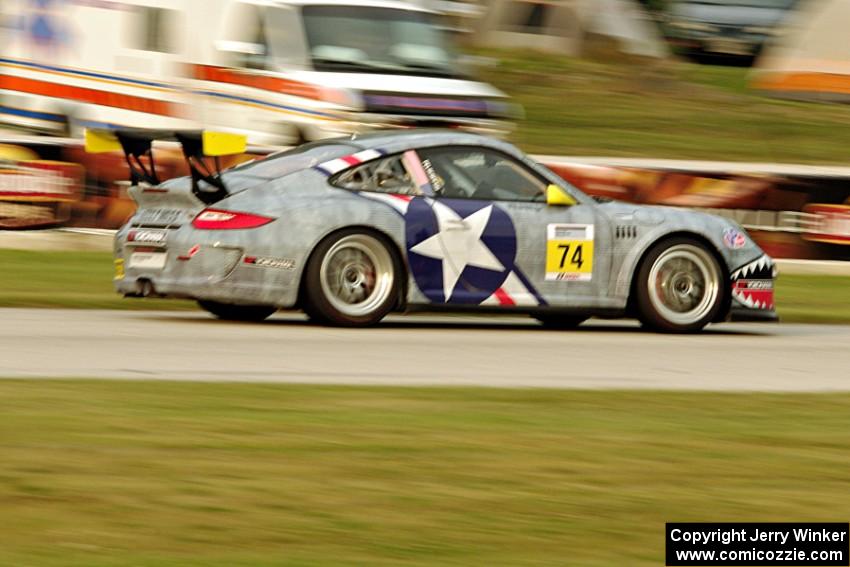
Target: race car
{"type": "Point", "coordinates": [351, 229]}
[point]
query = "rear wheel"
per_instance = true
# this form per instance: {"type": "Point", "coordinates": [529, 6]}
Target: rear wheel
{"type": "Point", "coordinates": [351, 280]}
{"type": "Point", "coordinates": [231, 312]}
{"type": "Point", "coordinates": [679, 287]}
{"type": "Point", "coordinates": [562, 322]}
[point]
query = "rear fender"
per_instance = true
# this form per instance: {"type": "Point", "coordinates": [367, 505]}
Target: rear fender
{"type": "Point", "coordinates": [318, 219]}
{"type": "Point", "coordinates": [395, 249]}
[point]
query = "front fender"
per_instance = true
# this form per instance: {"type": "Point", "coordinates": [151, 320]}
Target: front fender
{"type": "Point", "coordinates": [669, 223]}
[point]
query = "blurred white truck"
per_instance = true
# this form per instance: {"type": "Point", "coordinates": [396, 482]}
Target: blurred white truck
{"type": "Point", "coordinates": [280, 71]}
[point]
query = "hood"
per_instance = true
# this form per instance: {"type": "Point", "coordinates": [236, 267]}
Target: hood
{"type": "Point", "coordinates": [620, 211]}
{"type": "Point", "coordinates": [659, 219]}
{"type": "Point", "coordinates": [652, 215]}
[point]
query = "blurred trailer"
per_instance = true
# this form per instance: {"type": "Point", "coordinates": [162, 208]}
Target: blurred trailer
{"type": "Point", "coordinates": [35, 192]}
{"type": "Point", "coordinates": [49, 182]}
{"type": "Point", "coordinates": [279, 71]}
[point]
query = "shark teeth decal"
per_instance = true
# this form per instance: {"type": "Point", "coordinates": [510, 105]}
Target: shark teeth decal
{"type": "Point", "coordinates": [752, 284]}
{"type": "Point", "coordinates": [760, 268]}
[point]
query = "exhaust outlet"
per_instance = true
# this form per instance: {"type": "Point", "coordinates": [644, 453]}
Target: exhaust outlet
{"type": "Point", "coordinates": [146, 288]}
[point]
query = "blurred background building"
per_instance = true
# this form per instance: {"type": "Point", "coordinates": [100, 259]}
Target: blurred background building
{"type": "Point", "coordinates": [710, 30]}
{"type": "Point", "coordinates": [812, 59]}
{"type": "Point", "coordinates": [564, 26]}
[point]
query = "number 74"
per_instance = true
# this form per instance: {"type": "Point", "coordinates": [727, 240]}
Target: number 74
{"type": "Point", "coordinates": [576, 257]}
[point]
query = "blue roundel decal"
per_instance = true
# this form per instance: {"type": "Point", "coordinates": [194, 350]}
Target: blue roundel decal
{"type": "Point", "coordinates": [459, 251]}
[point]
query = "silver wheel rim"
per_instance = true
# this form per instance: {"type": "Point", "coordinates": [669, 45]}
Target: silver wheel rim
{"type": "Point", "coordinates": [684, 284]}
{"type": "Point", "coordinates": [357, 275]}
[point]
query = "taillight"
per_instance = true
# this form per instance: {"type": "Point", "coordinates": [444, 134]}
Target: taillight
{"type": "Point", "coordinates": [215, 219]}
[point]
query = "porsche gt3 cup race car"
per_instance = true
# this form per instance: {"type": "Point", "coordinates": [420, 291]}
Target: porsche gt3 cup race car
{"type": "Point", "coordinates": [351, 229]}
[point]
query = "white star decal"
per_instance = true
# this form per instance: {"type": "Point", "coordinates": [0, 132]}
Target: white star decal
{"type": "Point", "coordinates": [458, 244]}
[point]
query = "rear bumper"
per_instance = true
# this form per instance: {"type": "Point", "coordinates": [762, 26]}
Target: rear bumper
{"type": "Point", "coordinates": [192, 264]}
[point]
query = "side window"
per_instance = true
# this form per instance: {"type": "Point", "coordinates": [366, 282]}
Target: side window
{"type": "Point", "coordinates": [246, 45]}
{"type": "Point", "coordinates": [154, 29]}
{"type": "Point", "coordinates": [385, 175]}
{"type": "Point", "coordinates": [285, 36]}
{"type": "Point", "coordinates": [480, 173]}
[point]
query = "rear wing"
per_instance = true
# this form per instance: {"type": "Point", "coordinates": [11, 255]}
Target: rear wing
{"type": "Point", "coordinates": [137, 145]}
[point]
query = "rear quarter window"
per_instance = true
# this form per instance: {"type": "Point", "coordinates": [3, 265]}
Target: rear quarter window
{"type": "Point", "coordinates": [385, 175]}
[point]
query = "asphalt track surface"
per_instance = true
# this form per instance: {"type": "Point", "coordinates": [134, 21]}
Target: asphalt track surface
{"type": "Point", "coordinates": [420, 350]}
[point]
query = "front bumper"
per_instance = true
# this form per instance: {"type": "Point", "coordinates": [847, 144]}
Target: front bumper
{"type": "Point", "coordinates": [740, 314]}
{"type": "Point", "coordinates": [752, 290]}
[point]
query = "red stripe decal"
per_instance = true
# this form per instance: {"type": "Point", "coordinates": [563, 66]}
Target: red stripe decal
{"type": "Point", "coordinates": [92, 96]}
{"type": "Point", "coordinates": [350, 160]}
{"type": "Point", "coordinates": [405, 198]}
{"type": "Point", "coordinates": [503, 297]}
{"type": "Point", "coordinates": [273, 84]}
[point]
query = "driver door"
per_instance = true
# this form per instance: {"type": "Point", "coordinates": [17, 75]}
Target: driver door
{"type": "Point", "coordinates": [506, 245]}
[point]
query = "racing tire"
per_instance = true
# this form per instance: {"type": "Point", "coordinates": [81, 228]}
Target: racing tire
{"type": "Point", "coordinates": [679, 287]}
{"type": "Point", "coordinates": [229, 312]}
{"type": "Point", "coordinates": [351, 280]}
{"type": "Point", "coordinates": [560, 322]}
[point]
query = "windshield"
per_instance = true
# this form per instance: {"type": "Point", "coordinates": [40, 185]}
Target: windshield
{"type": "Point", "coordinates": [362, 39]}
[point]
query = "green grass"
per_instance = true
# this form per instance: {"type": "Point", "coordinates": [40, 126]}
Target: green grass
{"type": "Point", "coordinates": [813, 299]}
{"type": "Point", "coordinates": [66, 279]}
{"type": "Point", "coordinates": [661, 110]}
{"type": "Point", "coordinates": [152, 473]}
{"type": "Point", "coordinates": [84, 280]}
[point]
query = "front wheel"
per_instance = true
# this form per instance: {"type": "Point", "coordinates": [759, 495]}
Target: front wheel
{"type": "Point", "coordinates": [351, 280]}
{"type": "Point", "coordinates": [230, 312]}
{"type": "Point", "coordinates": [679, 287]}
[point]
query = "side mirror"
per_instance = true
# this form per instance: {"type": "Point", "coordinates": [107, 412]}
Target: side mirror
{"type": "Point", "coordinates": [558, 197]}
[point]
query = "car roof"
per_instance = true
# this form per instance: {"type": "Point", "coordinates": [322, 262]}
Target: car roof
{"type": "Point", "coordinates": [387, 142]}
{"type": "Point", "coordinates": [394, 141]}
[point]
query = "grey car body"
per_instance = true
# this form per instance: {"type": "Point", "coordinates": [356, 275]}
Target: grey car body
{"type": "Point", "coordinates": [498, 249]}
{"type": "Point", "coordinates": [726, 28]}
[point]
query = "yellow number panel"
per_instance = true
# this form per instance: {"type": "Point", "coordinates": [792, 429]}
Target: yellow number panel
{"type": "Point", "coordinates": [569, 252]}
